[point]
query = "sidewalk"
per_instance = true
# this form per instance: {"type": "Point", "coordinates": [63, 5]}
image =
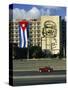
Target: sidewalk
{"type": "Point", "coordinates": [35, 64]}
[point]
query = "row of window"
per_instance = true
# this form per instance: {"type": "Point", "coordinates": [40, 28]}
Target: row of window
{"type": "Point", "coordinates": [13, 28]}
{"type": "Point", "coordinates": [35, 40]}
{"type": "Point", "coordinates": [34, 23]}
{"type": "Point", "coordinates": [35, 32]}
{"type": "Point", "coordinates": [35, 35]}
{"type": "Point", "coordinates": [14, 40]}
{"type": "Point", "coordinates": [13, 23]}
{"type": "Point", "coordinates": [34, 27]}
{"type": "Point", "coordinates": [31, 27]}
{"type": "Point", "coordinates": [14, 32]}
{"type": "Point", "coordinates": [31, 36]}
{"type": "Point", "coordinates": [31, 23]}
{"type": "Point", "coordinates": [14, 35]}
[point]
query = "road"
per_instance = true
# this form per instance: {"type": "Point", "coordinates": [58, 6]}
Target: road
{"type": "Point", "coordinates": [35, 77]}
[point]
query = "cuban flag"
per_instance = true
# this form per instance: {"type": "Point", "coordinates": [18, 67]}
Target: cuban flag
{"type": "Point", "coordinates": [23, 33]}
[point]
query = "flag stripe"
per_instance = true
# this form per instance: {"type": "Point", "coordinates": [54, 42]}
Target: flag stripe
{"type": "Point", "coordinates": [25, 37]}
{"type": "Point", "coordinates": [20, 35]}
{"type": "Point", "coordinates": [22, 38]}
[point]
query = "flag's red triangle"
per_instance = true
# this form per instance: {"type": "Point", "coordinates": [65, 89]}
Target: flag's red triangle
{"type": "Point", "coordinates": [23, 24]}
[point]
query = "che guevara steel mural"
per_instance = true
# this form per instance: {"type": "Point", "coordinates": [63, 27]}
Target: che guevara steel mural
{"type": "Point", "coordinates": [50, 31]}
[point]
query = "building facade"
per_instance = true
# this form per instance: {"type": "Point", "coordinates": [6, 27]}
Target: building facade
{"type": "Point", "coordinates": [43, 32]}
{"type": "Point", "coordinates": [14, 33]}
{"type": "Point", "coordinates": [35, 32]}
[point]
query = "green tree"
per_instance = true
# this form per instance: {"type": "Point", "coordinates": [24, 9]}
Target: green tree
{"type": "Point", "coordinates": [35, 52]}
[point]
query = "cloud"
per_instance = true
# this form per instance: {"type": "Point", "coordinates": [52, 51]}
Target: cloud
{"type": "Point", "coordinates": [33, 13]}
{"type": "Point", "coordinates": [19, 14]}
{"type": "Point", "coordinates": [52, 7]}
{"type": "Point", "coordinates": [42, 12]}
{"type": "Point", "coordinates": [48, 12]}
{"type": "Point", "coordinates": [52, 10]}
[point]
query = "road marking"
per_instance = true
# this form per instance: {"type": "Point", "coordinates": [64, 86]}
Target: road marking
{"type": "Point", "coordinates": [39, 76]}
{"type": "Point", "coordinates": [20, 70]}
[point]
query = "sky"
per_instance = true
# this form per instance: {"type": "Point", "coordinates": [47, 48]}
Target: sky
{"type": "Point", "coordinates": [24, 11]}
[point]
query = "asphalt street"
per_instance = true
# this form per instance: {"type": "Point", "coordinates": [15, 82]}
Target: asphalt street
{"type": "Point", "coordinates": [35, 77]}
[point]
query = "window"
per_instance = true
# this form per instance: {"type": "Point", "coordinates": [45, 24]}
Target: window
{"type": "Point", "coordinates": [38, 23]}
{"type": "Point", "coordinates": [38, 27]}
{"type": "Point", "coordinates": [16, 36]}
{"type": "Point", "coordinates": [34, 27]}
{"type": "Point", "coordinates": [38, 31]}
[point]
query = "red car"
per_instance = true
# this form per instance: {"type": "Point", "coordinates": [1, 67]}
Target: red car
{"type": "Point", "coordinates": [45, 69]}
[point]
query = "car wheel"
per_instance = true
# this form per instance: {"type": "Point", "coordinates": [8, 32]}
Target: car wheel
{"type": "Point", "coordinates": [48, 70]}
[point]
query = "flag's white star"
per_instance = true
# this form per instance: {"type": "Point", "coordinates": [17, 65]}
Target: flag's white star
{"type": "Point", "coordinates": [23, 25]}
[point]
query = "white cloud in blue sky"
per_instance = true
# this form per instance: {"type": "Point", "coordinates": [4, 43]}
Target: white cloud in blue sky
{"type": "Point", "coordinates": [19, 14]}
{"type": "Point", "coordinates": [53, 10]}
{"type": "Point", "coordinates": [35, 13]}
